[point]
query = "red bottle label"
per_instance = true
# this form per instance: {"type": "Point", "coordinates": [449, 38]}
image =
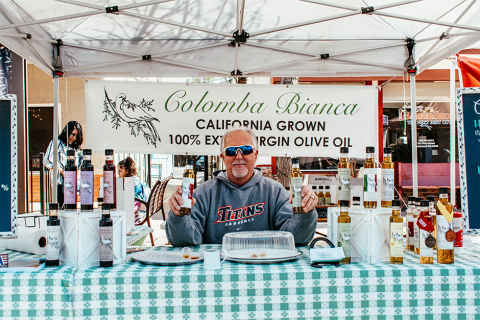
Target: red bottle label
{"type": "Point", "coordinates": [410, 229]}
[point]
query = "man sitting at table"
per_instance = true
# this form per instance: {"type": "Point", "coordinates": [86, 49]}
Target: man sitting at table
{"type": "Point", "coordinates": [239, 199]}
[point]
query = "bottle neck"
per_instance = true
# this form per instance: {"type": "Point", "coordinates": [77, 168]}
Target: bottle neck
{"type": "Point", "coordinates": [443, 197]}
{"type": "Point", "coordinates": [188, 167]}
{"type": "Point", "coordinates": [424, 209]}
{"type": "Point", "coordinates": [396, 211]}
{"type": "Point", "coordinates": [295, 166]}
{"type": "Point", "coordinates": [109, 159]}
{"type": "Point", "coordinates": [344, 211]}
{"type": "Point", "coordinates": [87, 159]}
{"type": "Point", "coordinates": [370, 157]}
{"type": "Point", "coordinates": [105, 214]}
{"type": "Point", "coordinates": [344, 157]}
{"type": "Point", "coordinates": [53, 214]}
{"type": "Point", "coordinates": [387, 158]}
{"type": "Point", "coordinates": [70, 159]}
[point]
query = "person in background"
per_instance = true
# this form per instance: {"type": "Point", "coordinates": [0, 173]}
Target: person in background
{"type": "Point", "coordinates": [71, 138]}
{"type": "Point", "coordinates": [128, 168]}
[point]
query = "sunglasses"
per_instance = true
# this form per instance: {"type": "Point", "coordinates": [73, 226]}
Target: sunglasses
{"type": "Point", "coordinates": [232, 151]}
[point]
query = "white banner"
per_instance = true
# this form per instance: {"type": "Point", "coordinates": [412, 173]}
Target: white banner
{"type": "Point", "coordinates": [145, 117]}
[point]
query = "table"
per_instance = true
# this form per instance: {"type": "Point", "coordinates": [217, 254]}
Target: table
{"type": "Point", "coordinates": [286, 290]}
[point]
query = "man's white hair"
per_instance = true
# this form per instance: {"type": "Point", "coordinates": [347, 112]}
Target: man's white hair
{"type": "Point", "coordinates": [241, 128]}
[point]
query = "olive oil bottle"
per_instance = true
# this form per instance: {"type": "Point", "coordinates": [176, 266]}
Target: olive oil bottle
{"type": "Point", "coordinates": [431, 209]}
{"type": "Point", "coordinates": [416, 231]}
{"type": "Point", "coordinates": [328, 196]}
{"type": "Point", "coordinates": [53, 237]}
{"type": "Point", "coordinates": [387, 178]}
{"type": "Point", "coordinates": [426, 251]}
{"type": "Point", "coordinates": [344, 232]}
{"type": "Point", "coordinates": [187, 188]}
{"type": "Point", "coordinates": [370, 180]}
{"type": "Point", "coordinates": [344, 176]}
{"type": "Point", "coordinates": [445, 249]}
{"type": "Point", "coordinates": [321, 196]}
{"type": "Point", "coordinates": [296, 184]}
{"type": "Point", "coordinates": [410, 229]}
{"type": "Point", "coordinates": [396, 234]}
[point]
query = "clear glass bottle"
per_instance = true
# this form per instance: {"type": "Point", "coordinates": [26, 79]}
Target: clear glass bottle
{"type": "Point", "coordinates": [344, 232]}
{"type": "Point", "coordinates": [410, 228]}
{"type": "Point", "coordinates": [328, 196]}
{"type": "Point", "coordinates": [106, 237]}
{"type": "Point", "coordinates": [53, 237]}
{"type": "Point", "coordinates": [416, 230]}
{"type": "Point", "coordinates": [431, 209]}
{"type": "Point", "coordinates": [426, 253]}
{"type": "Point", "coordinates": [388, 188]}
{"type": "Point", "coordinates": [396, 233]}
{"type": "Point", "coordinates": [370, 179]}
{"type": "Point", "coordinates": [109, 181]}
{"type": "Point", "coordinates": [296, 183]}
{"type": "Point", "coordinates": [321, 196]}
{"type": "Point", "coordinates": [70, 183]}
{"type": "Point", "coordinates": [86, 183]}
{"type": "Point", "coordinates": [344, 176]}
{"type": "Point", "coordinates": [187, 187]}
{"type": "Point", "coordinates": [445, 249]}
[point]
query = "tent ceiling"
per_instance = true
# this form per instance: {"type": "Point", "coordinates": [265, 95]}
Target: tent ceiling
{"type": "Point", "coordinates": [192, 37]}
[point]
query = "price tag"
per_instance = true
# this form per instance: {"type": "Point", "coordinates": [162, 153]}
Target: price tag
{"type": "Point", "coordinates": [326, 254]}
{"type": "Point", "coordinates": [425, 222]}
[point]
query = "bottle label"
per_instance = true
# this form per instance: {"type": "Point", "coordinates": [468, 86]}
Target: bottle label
{"type": "Point", "coordinates": [344, 231]}
{"type": "Point", "coordinates": [86, 187]}
{"type": "Point", "coordinates": [187, 187]}
{"type": "Point", "coordinates": [108, 188]}
{"type": "Point", "coordinates": [457, 227]}
{"type": "Point", "coordinates": [328, 200]}
{"type": "Point", "coordinates": [370, 184]}
{"type": "Point", "coordinates": [387, 184]}
{"type": "Point", "coordinates": [321, 201]}
{"type": "Point", "coordinates": [410, 225]}
{"type": "Point", "coordinates": [70, 187]}
{"type": "Point", "coordinates": [442, 227]}
{"type": "Point", "coordinates": [106, 243]}
{"type": "Point", "coordinates": [396, 239]}
{"type": "Point", "coordinates": [416, 233]}
{"type": "Point", "coordinates": [344, 190]}
{"type": "Point", "coordinates": [296, 187]}
{"type": "Point", "coordinates": [53, 243]}
{"type": "Point", "coordinates": [424, 250]}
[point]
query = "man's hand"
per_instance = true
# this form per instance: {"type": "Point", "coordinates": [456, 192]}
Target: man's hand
{"type": "Point", "coordinates": [175, 201]}
{"type": "Point", "coordinates": [309, 199]}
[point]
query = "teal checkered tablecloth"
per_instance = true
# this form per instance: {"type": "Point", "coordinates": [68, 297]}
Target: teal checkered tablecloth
{"type": "Point", "coordinates": [293, 290]}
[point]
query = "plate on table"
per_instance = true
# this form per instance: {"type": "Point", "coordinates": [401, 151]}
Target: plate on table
{"type": "Point", "coordinates": [165, 258]}
{"type": "Point", "coordinates": [258, 256]}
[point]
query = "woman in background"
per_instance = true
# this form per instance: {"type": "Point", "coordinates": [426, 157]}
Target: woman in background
{"type": "Point", "coordinates": [71, 138]}
{"type": "Point", "coordinates": [128, 168]}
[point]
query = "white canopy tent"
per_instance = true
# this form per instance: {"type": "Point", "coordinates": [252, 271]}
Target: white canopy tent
{"type": "Point", "coordinates": [196, 38]}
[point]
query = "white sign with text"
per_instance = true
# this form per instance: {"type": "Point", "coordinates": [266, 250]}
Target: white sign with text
{"type": "Point", "coordinates": [146, 117]}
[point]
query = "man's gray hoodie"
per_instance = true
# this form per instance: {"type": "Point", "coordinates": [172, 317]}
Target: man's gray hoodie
{"type": "Point", "coordinates": [223, 207]}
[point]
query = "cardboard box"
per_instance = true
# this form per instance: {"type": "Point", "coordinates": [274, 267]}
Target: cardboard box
{"type": "Point", "coordinates": [370, 233]}
{"type": "Point", "coordinates": [81, 239]}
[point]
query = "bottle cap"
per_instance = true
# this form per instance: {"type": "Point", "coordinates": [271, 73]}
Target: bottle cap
{"type": "Point", "coordinates": [87, 152]}
{"type": "Point", "coordinates": [418, 199]}
{"type": "Point", "coordinates": [189, 162]}
{"type": "Point", "coordinates": [320, 187]}
{"type": "Point", "coordinates": [70, 153]}
{"type": "Point", "coordinates": [105, 206]}
{"type": "Point", "coordinates": [343, 150]}
{"type": "Point", "coordinates": [356, 198]}
{"type": "Point", "coordinates": [99, 200]}
{"type": "Point", "coordinates": [370, 149]}
{"type": "Point", "coordinates": [327, 187]}
{"type": "Point", "coordinates": [314, 187]}
{"type": "Point", "coordinates": [387, 150]}
{"type": "Point", "coordinates": [109, 152]}
{"type": "Point", "coordinates": [53, 206]}
{"type": "Point", "coordinates": [411, 199]}
{"type": "Point", "coordinates": [295, 160]}
{"type": "Point", "coordinates": [343, 203]}
{"type": "Point", "coordinates": [396, 203]}
{"type": "Point", "coordinates": [431, 198]}
{"type": "Point", "coordinates": [287, 188]}
{"type": "Point", "coordinates": [424, 203]}
{"type": "Point", "coordinates": [443, 190]}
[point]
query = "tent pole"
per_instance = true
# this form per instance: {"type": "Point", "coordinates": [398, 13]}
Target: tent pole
{"type": "Point", "coordinates": [414, 136]}
{"type": "Point", "coordinates": [452, 132]}
{"type": "Point", "coordinates": [55, 138]}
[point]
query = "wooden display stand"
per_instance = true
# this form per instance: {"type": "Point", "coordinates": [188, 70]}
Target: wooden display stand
{"type": "Point", "coordinates": [81, 239]}
{"type": "Point", "coordinates": [370, 233]}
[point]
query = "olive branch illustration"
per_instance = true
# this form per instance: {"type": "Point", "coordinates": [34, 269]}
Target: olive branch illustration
{"type": "Point", "coordinates": [137, 117]}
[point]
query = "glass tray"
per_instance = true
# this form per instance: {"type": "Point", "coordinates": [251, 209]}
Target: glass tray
{"type": "Point", "coordinates": [164, 258]}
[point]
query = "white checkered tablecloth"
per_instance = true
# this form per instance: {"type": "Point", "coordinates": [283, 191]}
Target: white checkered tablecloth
{"type": "Point", "coordinates": [292, 290]}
